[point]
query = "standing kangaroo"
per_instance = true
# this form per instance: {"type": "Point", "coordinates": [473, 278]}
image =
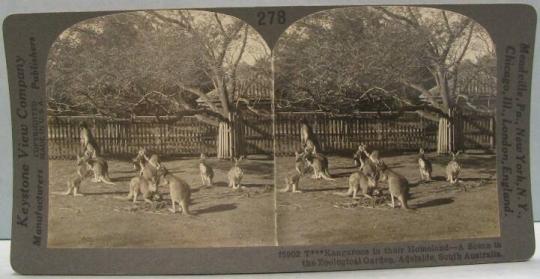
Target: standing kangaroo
{"type": "Point", "coordinates": [306, 134]}
{"type": "Point", "coordinates": [367, 163]}
{"type": "Point", "coordinates": [425, 166]}
{"type": "Point", "coordinates": [150, 169]}
{"type": "Point", "coordinates": [373, 156]}
{"type": "Point", "coordinates": [319, 163]}
{"type": "Point", "coordinates": [453, 168]}
{"type": "Point", "coordinates": [100, 168]}
{"type": "Point", "coordinates": [139, 185]}
{"type": "Point", "coordinates": [398, 185]}
{"type": "Point", "coordinates": [359, 182]}
{"type": "Point", "coordinates": [207, 173]}
{"type": "Point", "coordinates": [88, 142]}
{"type": "Point", "coordinates": [292, 182]}
{"type": "Point", "coordinates": [140, 161]}
{"type": "Point", "coordinates": [74, 182]}
{"type": "Point", "coordinates": [299, 163]}
{"type": "Point", "coordinates": [179, 190]}
{"type": "Point", "coordinates": [236, 173]}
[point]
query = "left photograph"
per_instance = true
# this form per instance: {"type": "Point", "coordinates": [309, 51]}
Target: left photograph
{"type": "Point", "coordinates": [160, 133]}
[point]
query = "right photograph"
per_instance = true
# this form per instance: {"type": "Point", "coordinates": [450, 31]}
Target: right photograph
{"type": "Point", "coordinates": [385, 127]}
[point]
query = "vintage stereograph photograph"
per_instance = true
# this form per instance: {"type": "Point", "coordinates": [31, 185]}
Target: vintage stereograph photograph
{"type": "Point", "coordinates": [385, 127]}
{"type": "Point", "coordinates": [382, 130]}
{"type": "Point", "coordinates": [160, 133]}
{"type": "Point", "coordinates": [270, 139]}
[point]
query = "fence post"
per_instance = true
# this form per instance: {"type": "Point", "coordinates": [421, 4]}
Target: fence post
{"type": "Point", "coordinates": [492, 133]}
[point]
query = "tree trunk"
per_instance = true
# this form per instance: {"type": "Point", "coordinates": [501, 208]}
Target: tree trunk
{"type": "Point", "coordinates": [449, 137]}
{"type": "Point", "coordinates": [230, 139]}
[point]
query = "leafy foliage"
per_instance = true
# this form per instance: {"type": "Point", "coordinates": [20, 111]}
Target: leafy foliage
{"type": "Point", "coordinates": [153, 63]}
{"type": "Point", "coordinates": [375, 58]}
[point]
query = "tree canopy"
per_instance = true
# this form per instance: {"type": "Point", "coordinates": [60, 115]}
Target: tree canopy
{"type": "Point", "coordinates": [154, 63]}
{"type": "Point", "coordinates": [380, 58]}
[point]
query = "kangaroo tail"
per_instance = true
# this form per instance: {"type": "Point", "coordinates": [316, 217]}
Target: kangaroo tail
{"type": "Point", "coordinates": [106, 179]}
{"type": "Point", "coordinates": [327, 176]}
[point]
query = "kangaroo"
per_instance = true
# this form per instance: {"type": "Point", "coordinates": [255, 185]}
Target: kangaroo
{"type": "Point", "coordinates": [370, 169]}
{"type": "Point", "coordinates": [367, 165]}
{"type": "Point", "coordinates": [359, 182]}
{"type": "Point", "coordinates": [179, 190]}
{"type": "Point", "coordinates": [91, 151]}
{"type": "Point", "coordinates": [424, 166]}
{"type": "Point", "coordinates": [305, 131]}
{"type": "Point", "coordinates": [398, 185]}
{"type": "Point", "coordinates": [150, 169]}
{"type": "Point", "coordinates": [319, 163]}
{"type": "Point", "coordinates": [236, 174]}
{"type": "Point", "coordinates": [307, 137]}
{"type": "Point", "coordinates": [140, 161]}
{"type": "Point", "coordinates": [88, 142]}
{"type": "Point", "coordinates": [453, 168]}
{"type": "Point", "coordinates": [74, 182]}
{"type": "Point", "coordinates": [100, 168]}
{"type": "Point", "coordinates": [207, 173]}
{"type": "Point", "coordinates": [292, 183]}
{"type": "Point", "coordinates": [374, 156]}
{"type": "Point", "coordinates": [300, 163]}
{"type": "Point", "coordinates": [139, 185]}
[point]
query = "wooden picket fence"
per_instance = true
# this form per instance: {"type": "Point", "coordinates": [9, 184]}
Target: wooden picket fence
{"type": "Point", "coordinates": [408, 132]}
{"type": "Point", "coordinates": [190, 137]}
{"type": "Point", "coordinates": [343, 134]}
{"type": "Point", "coordinates": [124, 137]}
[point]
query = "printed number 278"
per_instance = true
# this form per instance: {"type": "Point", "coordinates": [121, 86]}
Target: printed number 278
{"type": "Point", "coordinates": [271, 17]}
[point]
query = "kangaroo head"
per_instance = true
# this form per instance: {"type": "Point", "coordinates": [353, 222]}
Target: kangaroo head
{"type": "Point", "coordinates": [83, 125]}
{"type": "Point", "coordinates": [362, 147]}
{"type": "Point", "coordinates": [237, 160]}
{"type": "Point", "coordinates": [421, 151]}
{"type": "Point", "coordinates": [203, 156]}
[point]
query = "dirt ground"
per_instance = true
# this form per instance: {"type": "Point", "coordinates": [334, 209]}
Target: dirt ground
{"type": "Point", "coordinates": [227, 218]}
{"type": "Point", "coordinates": [223, 217]}
{"type": "Point", "coordinates": [441, 210]}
